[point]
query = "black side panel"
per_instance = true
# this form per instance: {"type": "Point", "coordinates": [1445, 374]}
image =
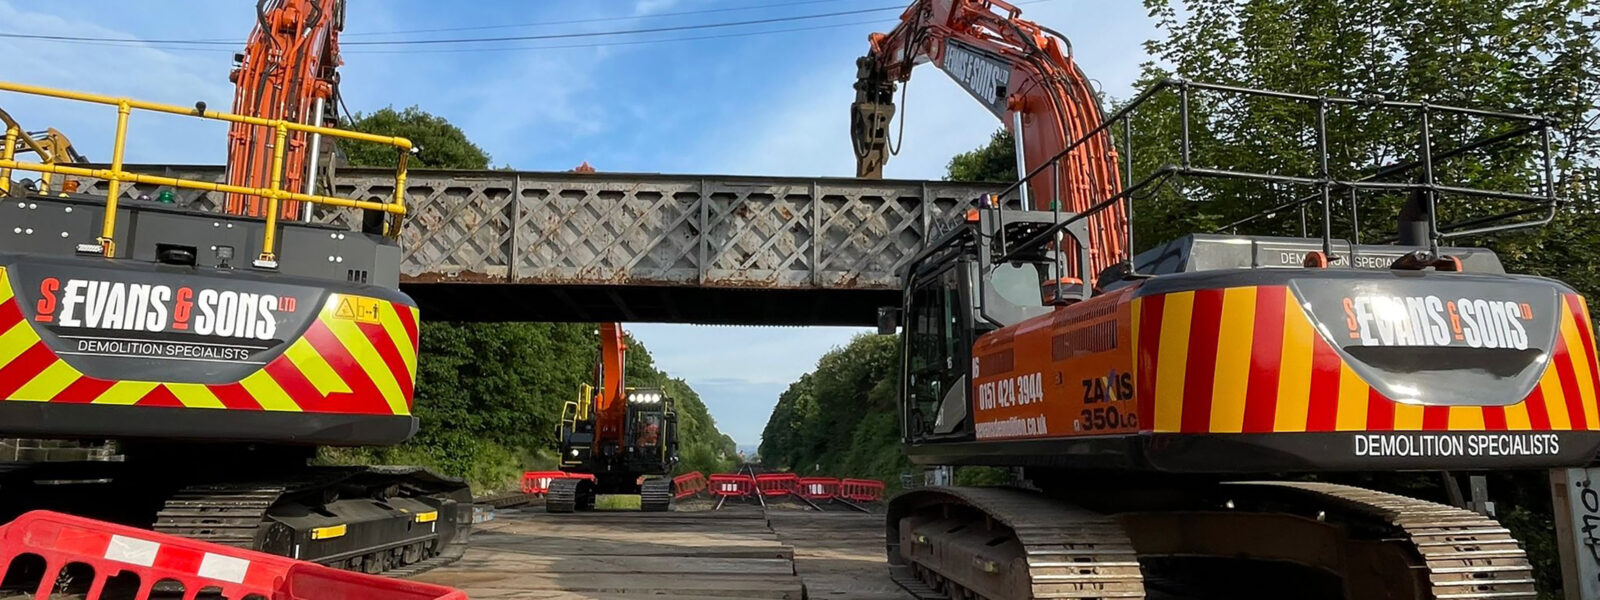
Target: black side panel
{"type": "Point", "coordinates": [57, 420]}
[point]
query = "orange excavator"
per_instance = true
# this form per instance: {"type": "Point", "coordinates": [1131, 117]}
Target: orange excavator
{"type": "Point", "coordinates": [1162, 407]}
{"type": "Point", "coordinates": [616, 436]}
{"type": "Point", "coordinates": [289, 71]}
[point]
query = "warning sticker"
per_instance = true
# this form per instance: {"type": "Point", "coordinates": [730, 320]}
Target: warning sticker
{"type": "Point", "coordinates": [356, 308]}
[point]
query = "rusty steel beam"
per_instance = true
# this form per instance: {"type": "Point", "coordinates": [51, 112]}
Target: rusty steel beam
{"type": "Point", "coordinates": [808, 240]}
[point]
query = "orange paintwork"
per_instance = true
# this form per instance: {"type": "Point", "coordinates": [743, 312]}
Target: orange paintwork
{"type": "Point", "coordinates": [287, 64]}
{"type": "Point", "coordinates": [1048, 90]}
{"type": "Point", "coordinates": [1237, 360]}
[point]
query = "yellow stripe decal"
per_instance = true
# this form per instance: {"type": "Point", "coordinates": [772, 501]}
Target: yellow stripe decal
{"type": "Point", "coordinates": [1352, 408]}
{"type": "Point", "coordinates": [268, 393]}
{"type": "Point", "coordinates": [1407, 417]}
{"type": "Point", "coordinates": [1579, 356]}
{"type": "Point", "coordinates": [1554, 401]}
{"type": "Point", "coordinates": [1235, 335]}
{"type": "Point", "coordinates": [397, 332]}
{"type": "Point", "coordinates": [1173, 360]}
{"type": "Point", "coordinates": [1294, 377]}
{"type": "Point", "coordinates": [49, 382]}
{"type": "Point", "coordinates": [125, 393]}
{"type": "Point", "coordinates": [194, 395]}
{"type": "Point", "coordinates": [361, 349]}
{"type": "Point", "coordinates": [316, 369]}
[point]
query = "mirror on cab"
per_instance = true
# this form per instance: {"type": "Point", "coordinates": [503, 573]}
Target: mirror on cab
{"type": "Point", "coordinates": [888, 320]}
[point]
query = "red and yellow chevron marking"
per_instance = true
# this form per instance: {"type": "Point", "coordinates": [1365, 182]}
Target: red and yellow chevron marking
{"type": "Point", "coordinates": [340, 365]}
{"type": "Point", "coordinates": [1249, 360]}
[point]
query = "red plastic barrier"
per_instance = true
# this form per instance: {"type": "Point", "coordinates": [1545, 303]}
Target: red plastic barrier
{"type": "Point", "coordinates": [115, 551]}
{"type": "Point", "coordinates": [538, 482]}
{"type": "Point", "coordinates": [731, 485]}
{"type": "Point", "coordinates": [861, 490]}
{"type": "Point", "coordinates": [688, 484]}
{"type": "Point", "coordinates": [777, 484]}
{"type": "Point", "coordinates": [819, 488]}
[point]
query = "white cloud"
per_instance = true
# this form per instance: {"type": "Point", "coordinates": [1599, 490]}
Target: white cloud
{"type": "Point", "coordinates": [136, 71]}
{"type": "Point", "coordinates": [648, 7]}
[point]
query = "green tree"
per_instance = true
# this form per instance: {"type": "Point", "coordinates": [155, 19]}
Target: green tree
{"type": "Point", "coordinates": [995, 161]}
{"type": "Point", "coordinates": [437, 143]}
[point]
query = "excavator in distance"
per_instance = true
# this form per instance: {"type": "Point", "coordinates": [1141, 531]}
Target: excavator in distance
{"type": "Point", "coordinates": [622, 440]}
{"type": "Point", "coordinates": [1163, 407]}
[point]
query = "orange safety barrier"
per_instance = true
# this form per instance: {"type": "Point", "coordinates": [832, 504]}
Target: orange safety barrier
{"type": "Point", "coordinates": [538, 482]}
{"type": "Point", "coordinates": [83, 558]}
{"type": "Point", "coordinates": [861, 490]}
{"type": "Point", "coordinates": [688, 484]}
{"type": "Point", "coordinates": [777, 484]}
{"type": "Point", "coordinates": [819, 488]}
{"type": "Point", "coordinates": [731, 485]}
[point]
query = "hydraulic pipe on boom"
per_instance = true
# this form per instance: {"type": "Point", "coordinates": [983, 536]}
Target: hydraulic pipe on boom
{"type": "Point", "coordinates": [1024, 74]}
{"type": "Point", "coordinates": [288, 70]}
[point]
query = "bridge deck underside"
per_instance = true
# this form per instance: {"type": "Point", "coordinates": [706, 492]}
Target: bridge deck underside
{"type": "Point", "coordinates": [507, 245]}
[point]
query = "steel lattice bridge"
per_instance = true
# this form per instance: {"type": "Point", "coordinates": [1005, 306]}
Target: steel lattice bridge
{"type": "Point", "coordinates": [531, 246]}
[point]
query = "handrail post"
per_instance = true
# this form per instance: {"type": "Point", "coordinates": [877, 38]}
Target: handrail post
{"type": "Point", "coordinates": [395, 219]}
{"type": "Point", "coordinates": [8, 153]}
{"type": "Point", "coordinates": [269, 258]}
{"type": "Point", "coordinates": [108, 228]}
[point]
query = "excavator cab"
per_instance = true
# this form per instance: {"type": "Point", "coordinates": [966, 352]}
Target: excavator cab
{"type": "Point", "coordinates": [992, 270]}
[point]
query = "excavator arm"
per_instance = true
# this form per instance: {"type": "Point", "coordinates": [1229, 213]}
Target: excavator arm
{"type": "Point", "coordinates": [286, 71]}
{"type": "Point", "coordinates": [1024, 74]}
{"type": "Point", "coordinates": [611, 396]}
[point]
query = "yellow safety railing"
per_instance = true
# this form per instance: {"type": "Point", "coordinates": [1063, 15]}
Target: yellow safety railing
{"type": "Point", "coordinates": [14, 134]}
{"type": "Point", "coordinates": [273, 193]}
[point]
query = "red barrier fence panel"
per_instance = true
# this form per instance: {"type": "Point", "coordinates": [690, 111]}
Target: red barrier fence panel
{"type": "Point", "coordinates": [93, 560]}
{"type": "Point", "coordinates": [777, 484]}
{"type": "Point", "coordinates": [688, 484]}
{"type": "Point", "coordinates": [731, 485]}
{"type": "Point", "coordinates": [819, 488]}
{"type": "Point", "coordinates": [538, 482]}
{"type": "Point", "coordinates": [861, 490]}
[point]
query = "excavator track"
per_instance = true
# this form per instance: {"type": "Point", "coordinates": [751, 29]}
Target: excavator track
{"type": "Point", "coordinates": [232, 515]}
{"type": "Point", "coordinates": [1466, 556]}
{"type": "Point", "coordinates": [656, 495]}
{"type": "Point", "coordinates": [562, 497]}
{"type": "Point", "coordinates": [945, 540]}
{"type": "Point", "coordinates": [241, 515]}
{"type": "Point", "coordinates": [971, 542]}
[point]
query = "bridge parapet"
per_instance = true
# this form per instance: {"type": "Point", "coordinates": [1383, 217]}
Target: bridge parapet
{"type": "Point", "coordinates": [616, 233]}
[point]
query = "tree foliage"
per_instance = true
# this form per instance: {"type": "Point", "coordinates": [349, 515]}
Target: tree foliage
{"type": "Point", "coordinates": [840, 419]}
{"type": "Point", "coordinates": [1530, 56]}
{"type": "Point", "coordinates": [489, 395]}
{"type": "Point", "coordinates": [995, 161]}
{"type": "Point", "coordinates": [437, 143]}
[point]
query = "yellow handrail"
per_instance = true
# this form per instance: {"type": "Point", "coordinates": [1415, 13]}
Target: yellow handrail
{"type": "Point", "coordinates": [273, 193]}
{"type": "Point", "coordinates": [14, 134]}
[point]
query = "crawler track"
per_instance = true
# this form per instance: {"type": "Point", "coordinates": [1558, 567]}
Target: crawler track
{"type": "Point", "coordinates": [656, 495]}
{"type": "Point", "coordinates": [1069, 552]}
{"type": "Point", "coordinates": [1466, 556]}
{"type": "Point", "coordinates": [957, 543]}
{"type": "Point", "coordinates": [416, 537]}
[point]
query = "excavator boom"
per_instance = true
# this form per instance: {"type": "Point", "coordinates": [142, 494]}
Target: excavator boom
{"type": "Point", "coordinates": [286, 71]}
{"type": "Point", "coordinates": [1024, 74]}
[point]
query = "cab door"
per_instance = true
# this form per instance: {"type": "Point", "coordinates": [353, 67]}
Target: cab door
{"type": "Point", "coordinates": [937, 346]}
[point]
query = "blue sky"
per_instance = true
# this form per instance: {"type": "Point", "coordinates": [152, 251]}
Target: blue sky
{"type": "Point", "coordinates": [766, 104]}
